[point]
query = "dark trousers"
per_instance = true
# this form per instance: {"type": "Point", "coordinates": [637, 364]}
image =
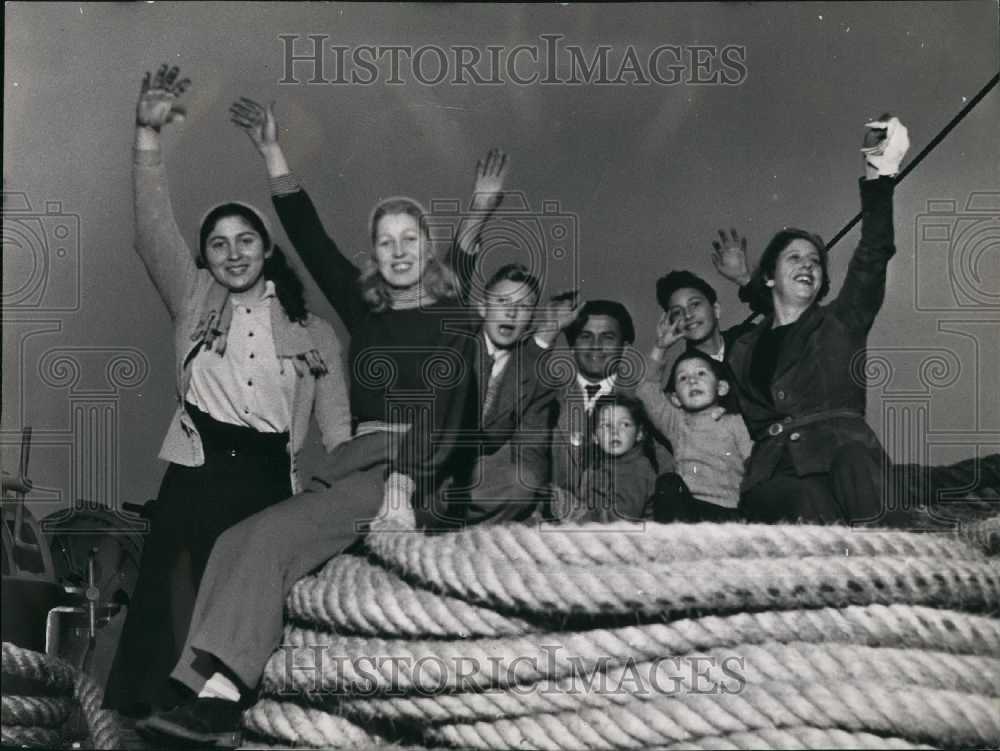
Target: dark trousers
{"type": "Point", "coordinates": [244, 472]}
{"type": "Point", "coordinates": [238, 616]}
{"type": "Point", "coordinates": [850, 493]}
{"type": "Point", "coordinates": [673, 502]}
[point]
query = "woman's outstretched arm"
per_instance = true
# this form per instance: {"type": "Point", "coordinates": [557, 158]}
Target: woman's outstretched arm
{"type": "Point", "coordinates": [335, 275]}
{"type": "Point", "coordinates": [158, 240]}
{"type": "Point", "coordinates": [863, 291]}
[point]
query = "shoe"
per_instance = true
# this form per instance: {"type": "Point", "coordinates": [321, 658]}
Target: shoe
{"type": "Point", "coordinates": [208, 723]}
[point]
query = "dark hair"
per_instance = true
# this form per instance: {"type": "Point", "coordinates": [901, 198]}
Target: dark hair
{"type": "Point", "coordinates": [695, 354]}
{"type": "Point", "coordinates": [287, 285]}
{"type": "Point", "coordinates": [675, 280]}
{"type": "Point", "coordinates": [727, 401]}
{"type": "Point", "coordinates": [638, 413]}
{"type": "Point", "coordinates": [609, 308]}
{"type": "Point", "coordinates": [759, 291]}
{"type": "Point", "coordinates": [515, 272]}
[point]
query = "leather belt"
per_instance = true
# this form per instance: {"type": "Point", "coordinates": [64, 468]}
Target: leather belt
{"type": "Point", "coordinates": [793, 423]}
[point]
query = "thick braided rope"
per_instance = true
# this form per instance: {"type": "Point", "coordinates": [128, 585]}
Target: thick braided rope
{"type": "Point", "coordinates": [103, 730]}
{"type": "Point", "coordinates": [30, 736]}
{"type": "Point", "coordinates": [292, 723]}
{"type": "Point", "coordinates": [794, 739]}
{"type": "Point", "coordinates": [39, 711]}
{"type": "Point", "coordinates": [339, 599]}
{"type": "Point", "coordinates": [54, 676]}
{"type": "Point", "coordinates": [870, 593]}
{"type": "Point", "coordinates": [732, 585]}
{"type": "Point", "coordinates": [927, 715]}
{"type": "Point", "coordinates": [497, 549]}
{"type": "Point", "coordinates": [727, 670]}
{"type": "Point", "coordinates": [323, 661]}
{"type": "Point", "coordinates": [353, 595]}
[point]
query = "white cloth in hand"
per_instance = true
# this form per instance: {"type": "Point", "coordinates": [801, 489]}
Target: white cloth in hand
{"type": "Point", "coordinates": [887, 155]}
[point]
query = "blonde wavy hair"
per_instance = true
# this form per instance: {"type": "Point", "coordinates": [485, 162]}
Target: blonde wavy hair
{"type": "Point", "coordinates": [438, 279]}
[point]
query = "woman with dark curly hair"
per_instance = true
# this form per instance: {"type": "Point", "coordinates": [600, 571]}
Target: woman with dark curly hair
{"type": "Point", "coordinates": [253, 365]}
{"type": "Point", "coordinates": [815, 458]}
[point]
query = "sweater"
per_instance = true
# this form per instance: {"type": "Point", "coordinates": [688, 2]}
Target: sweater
{"type": "Point", "coordinates": [710, 451]}
{"type": "Point", "coordinates": [613, 489]}
{"type": "Point", "coordinates": [409, 366]}
{"type": "Point", "coordinates": [198, 306]}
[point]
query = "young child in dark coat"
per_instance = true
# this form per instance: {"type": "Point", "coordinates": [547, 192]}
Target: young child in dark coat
{"type": "Point", "coordinates": [620, 477]}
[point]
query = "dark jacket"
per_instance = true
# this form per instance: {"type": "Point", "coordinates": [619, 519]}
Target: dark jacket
{"type": "Point", "coordinates": [507, 469]}
{"type": "Point", "coordinates": [822, 361]}
{"type": "Point", "coordinates": [572, 445]}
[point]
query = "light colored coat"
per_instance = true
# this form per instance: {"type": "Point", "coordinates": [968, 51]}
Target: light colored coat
{"type": "Point", "coordinates": [198, 307]}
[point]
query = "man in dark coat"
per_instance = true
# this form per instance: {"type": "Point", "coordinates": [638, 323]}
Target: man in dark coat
{"type": "Point", "coordinates": [507, 460]}
{"type": "Point", "coordinates": [593, 367]}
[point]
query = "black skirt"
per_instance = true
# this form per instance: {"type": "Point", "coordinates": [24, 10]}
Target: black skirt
{"type": "Point", "coordinates": [245, 471]}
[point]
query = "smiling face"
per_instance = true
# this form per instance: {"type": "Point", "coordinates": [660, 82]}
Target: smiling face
{"type": "Point", "coordinates": [400, 250]}
{"type": "Point", "coordinates": [507, 312]}
{"type": "Point", "coordinates": [696, 387]}
{"type": "Point", "coordinates": [235, 254]}
{"type": "Point", "coordinates": [616, 432]}
{"type": "Point", "coordinates": [700, 317]}
{"type": "Point", "coordinates": [598, 346]}
{"type": "Point", "coordinates": [798, 273]}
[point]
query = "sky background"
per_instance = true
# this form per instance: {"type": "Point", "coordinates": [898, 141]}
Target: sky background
{"type": "Point", "coordinates": [645, 173]}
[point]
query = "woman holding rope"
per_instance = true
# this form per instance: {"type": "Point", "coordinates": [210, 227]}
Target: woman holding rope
{"type": "Point", "coordinates": [815, 458]}
{"type": "Point", "coordinates": [410, 397]}
{"type": "Point", "coordinates": [252, 366]}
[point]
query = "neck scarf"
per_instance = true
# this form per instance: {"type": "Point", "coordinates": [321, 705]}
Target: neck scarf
{"type": "Point", "coordinates": [292, 341]}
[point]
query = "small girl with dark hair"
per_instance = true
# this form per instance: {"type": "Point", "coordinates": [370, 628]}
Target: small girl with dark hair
{"type": "Point", "coordinates": [619, 478]}
{"type": "Point", "coordinates": [252, 367]}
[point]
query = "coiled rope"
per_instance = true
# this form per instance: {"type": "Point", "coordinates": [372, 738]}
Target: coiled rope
{"type": "Point", "coordinates": [48, 703]}
{"type": "Point", "coordinates": [668, 636]}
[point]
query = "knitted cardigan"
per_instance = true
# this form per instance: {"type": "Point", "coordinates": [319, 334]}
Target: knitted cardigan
{"type": "Point", "coordinates": [200, 310]}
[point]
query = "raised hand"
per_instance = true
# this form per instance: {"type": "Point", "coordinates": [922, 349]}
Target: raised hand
{"type": "Point", "coordinates": [491, 171]}
{"type": "Point", "coordinates": [560, 311]}
{"type": "Point", "coordinates": [729, 254]}
{"type": "Point", "coordinates": [256, 121]}
{"type": "Point", "coordinates": [158, 95]}
{"type": "Point", "coordinates": [886, 142]}
{"type": "Point", "coordinates": [668, 332]}
{"type": "Point", "coordinates": [564, 308]}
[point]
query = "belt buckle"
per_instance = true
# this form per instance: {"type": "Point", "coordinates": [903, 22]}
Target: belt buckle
{"type": "Point", "coordinates": [775, 429]}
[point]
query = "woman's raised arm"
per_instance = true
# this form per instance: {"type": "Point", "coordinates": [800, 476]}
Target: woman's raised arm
{"type": "Point", "coordinates": [863, 291]}
{"type": "Point", "coordinates": [335, 275]}
{"type": "Point", "coordinates": [158, 240]}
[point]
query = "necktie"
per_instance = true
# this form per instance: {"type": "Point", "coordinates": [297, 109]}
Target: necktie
{"type": "Point", "coordinates": [492, 387]}
{"type": "Point", "coordinates": [591, 389]}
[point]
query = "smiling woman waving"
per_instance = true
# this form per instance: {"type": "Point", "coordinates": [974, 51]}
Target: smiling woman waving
{"type": "Point", "coordinates": [797, 373]}
{"type": "Point", "coordinates": [252, 366]}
